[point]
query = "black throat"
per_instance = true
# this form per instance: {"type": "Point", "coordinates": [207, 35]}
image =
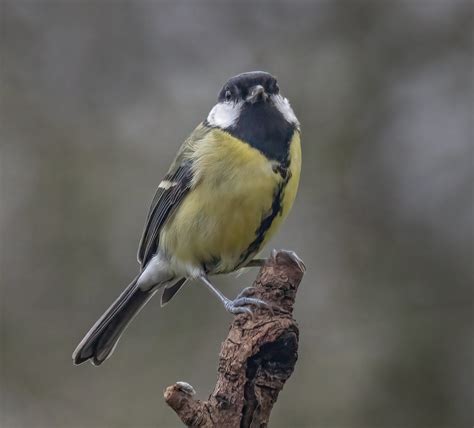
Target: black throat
{"type": "Point", "coordinates": [263, 127]}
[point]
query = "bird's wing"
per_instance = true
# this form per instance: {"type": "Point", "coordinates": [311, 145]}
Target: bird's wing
{"type": "Point", "coordinates": [170, 193]}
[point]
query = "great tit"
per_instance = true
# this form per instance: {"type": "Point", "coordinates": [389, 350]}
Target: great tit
{"type": "Point", "coordinates": [226, 193]}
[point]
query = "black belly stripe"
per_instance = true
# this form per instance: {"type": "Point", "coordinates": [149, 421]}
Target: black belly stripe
{"type": "Point", "coordinates": [265, 224]}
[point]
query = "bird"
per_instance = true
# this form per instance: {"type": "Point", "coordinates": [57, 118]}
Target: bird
{"type": "Point", "coordinates": [231, 185]}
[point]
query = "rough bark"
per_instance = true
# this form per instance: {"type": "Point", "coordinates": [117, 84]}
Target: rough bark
{"type": "Point", "coordinates": [256, 359]}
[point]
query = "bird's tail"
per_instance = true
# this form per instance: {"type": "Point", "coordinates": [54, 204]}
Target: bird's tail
{"type": "Point", "coordinates": [102, 338]}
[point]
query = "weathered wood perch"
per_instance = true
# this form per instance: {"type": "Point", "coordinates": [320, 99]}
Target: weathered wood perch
{"type": "Point", "coordinates": [256, 359]}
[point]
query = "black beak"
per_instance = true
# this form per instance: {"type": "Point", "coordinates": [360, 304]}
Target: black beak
{"type": "Point", "coordinates": [256, 93]}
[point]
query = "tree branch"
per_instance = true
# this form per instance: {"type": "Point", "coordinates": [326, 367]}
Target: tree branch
{"type": "Point", "coordinates": [256, 359]}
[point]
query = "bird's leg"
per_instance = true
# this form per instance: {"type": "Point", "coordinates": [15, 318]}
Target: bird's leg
{"type": "Point", "coordinates": [249, 291]}
{"type": "Point", "coordinates": [239, 304]}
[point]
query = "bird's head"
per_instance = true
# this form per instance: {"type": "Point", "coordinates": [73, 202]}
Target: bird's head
{"type": "Point", "coordinates": [251, 107]}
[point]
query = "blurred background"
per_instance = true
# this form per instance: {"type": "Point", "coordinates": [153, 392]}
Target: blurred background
{"type": "Point", "coordinates": [96, 98]}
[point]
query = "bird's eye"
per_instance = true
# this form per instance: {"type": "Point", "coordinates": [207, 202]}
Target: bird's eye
{"type": "Point", "coordinates": [228, 95]}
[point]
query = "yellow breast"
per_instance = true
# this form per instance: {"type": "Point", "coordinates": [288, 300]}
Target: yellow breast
{"type": "Point", "coordinates": [233, 190]}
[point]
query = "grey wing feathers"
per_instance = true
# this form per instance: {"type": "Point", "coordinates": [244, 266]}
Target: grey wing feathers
{"type": "Point", "coordinates": [164, 202]}
{"type": "Point", "coordinates": [170, 291]}
{"type": "Point", "coordinates": [167, 199]}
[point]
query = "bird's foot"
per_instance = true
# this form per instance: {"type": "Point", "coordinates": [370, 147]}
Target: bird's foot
{"type": "Point", "coordinates": [242, 304]}
{"type": "Point", "coordinates": [247, 292]}
{"type": "Point", "coordinates": [293, 256]}
{"type": "Point", "coordinates": [185, 387]}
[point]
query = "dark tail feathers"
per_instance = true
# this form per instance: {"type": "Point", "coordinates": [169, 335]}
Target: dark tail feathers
{"type": "Point", "coordinates": [100, 342]}
{"type": "Point", "coordinates": [170, 291]}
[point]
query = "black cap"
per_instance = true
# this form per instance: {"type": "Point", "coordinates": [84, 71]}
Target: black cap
{"type": "Point", "coordinates": [238, 87]}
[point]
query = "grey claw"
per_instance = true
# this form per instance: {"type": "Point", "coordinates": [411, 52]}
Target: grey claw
{"type": "Point", "coordinates": [240, 305]}
{"type": "Point", "coordinates": [296, 259]}
{"type": "Point", "coordinates": [247, 291]}
{"type": "Point", "coordinates": [185, 387]}
{"type": "Point", "coordinates": [231, 307]}
{"type": "Point", "coordinates": [246, 301]}
{"type": "Point", "coordinates": [252, 301]}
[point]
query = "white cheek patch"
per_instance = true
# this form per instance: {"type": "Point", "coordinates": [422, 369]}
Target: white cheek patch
{"type": "Point", "coordinates": [283, 106]}
{"type": "Point", "coordinates": [224, 115]}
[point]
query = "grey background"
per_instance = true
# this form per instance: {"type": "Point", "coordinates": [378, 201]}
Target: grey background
{"type": "Point", "coordinates": [96, 97]}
